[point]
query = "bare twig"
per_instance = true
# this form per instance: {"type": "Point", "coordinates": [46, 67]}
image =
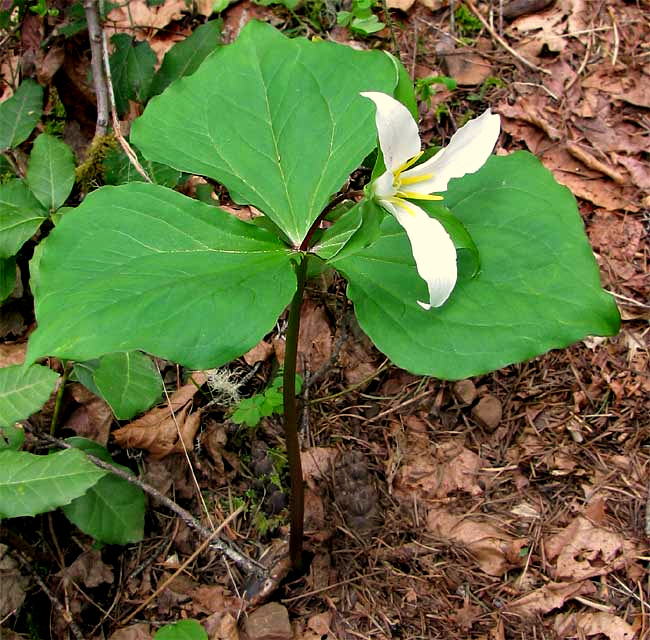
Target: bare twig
{"type": "Point", "coordinates": [99, 78]}
{"type": "Point", "coordinates": [117, 129]}
{"type": "Point", "coordinates": [227, 548]}
{"type": "Point", "coordinates": [187, 562]}
{"type": "Point", "coordinates": [61, 610]}
{"type": "Point", "coordinates": [502, 42]}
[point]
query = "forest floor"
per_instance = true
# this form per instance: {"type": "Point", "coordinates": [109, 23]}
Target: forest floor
{"type": "Point", "coordinates": [512, 505]}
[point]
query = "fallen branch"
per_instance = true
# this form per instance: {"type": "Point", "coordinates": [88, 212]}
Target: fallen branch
{"type": "Point", "coordinates": [226, 548]}
{"type": "Point", "coordinates": [502, 42]}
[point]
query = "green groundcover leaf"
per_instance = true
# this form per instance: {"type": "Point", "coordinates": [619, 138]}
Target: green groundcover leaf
{"type": "Point", "coordinates": [31, 484]}
{"type": "Point", "coordinates": [20, 216]}
{"type": "Point", "coordinates": [7, 277]}
{"type": "Point", "coordinates": [185, 56]}
{"type": "Point", "coordinates": [20, 114]}
{"type": "Point", "coordinates": [143, 267]}
{"type": "Point", "coordinates": [538, 288]}
{"type": "Point", "coordinates": [279, 122]}
{"type": "Point", "coordinates": [182, 630]}
{"type": "Point", "coordinates": [23, 390]}
{"type": "Point", "coordinates": [11, 438]}
{"type": "Point", "coordinates": [112, 510]}
{"type": "Point", "coordinates": [50, 174]}
{"type": "Point", "coordinates": [132, 68]}
{"type": "Point", "coordinates": [128, 381]}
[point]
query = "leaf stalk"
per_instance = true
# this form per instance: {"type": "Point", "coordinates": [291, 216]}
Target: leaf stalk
{"type": "Point", "coordinates": [296, 499]}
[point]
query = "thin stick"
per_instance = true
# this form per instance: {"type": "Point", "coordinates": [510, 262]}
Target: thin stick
{"type": "Point", "coordinates": [76, 632]}
{"type": "Point", "coordinates": [185, 452]}
{"type": "Point", "coordinates": [117, 129]}
{"type": "Point", "coordinates": [243, 562]}
{"type": "Point", "coordinates": [203, 545]}
{"type": "Point", "coordinates": [99, 78]}
{"type": "Point", "coordinates": [502, 42]}
{"type": "Point", "coordinates": [58, 401]}
{"type": "Point", "coordinates": [391, 28]}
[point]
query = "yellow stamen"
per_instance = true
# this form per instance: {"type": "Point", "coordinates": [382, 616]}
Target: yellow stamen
{"type": "Point", "coordinates": [416, 179]}
{"type": "Point", "coordinates": [418, 196]}
{"type": "Point", "coordinates": [407, 164]}
{"type": "Point", "coordinates": [403, 204]}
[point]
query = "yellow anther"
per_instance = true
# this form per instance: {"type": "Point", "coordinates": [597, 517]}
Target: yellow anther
{"type": "Point", "coordinates": [418, 196]}
{"type": "Point", "coordinates": [416, 179]}
{"type": "Point", "coordinates": [407, 164]}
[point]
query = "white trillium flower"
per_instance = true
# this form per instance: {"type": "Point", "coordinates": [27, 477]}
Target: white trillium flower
{"type": "Point", "coordinates": [399, 140]}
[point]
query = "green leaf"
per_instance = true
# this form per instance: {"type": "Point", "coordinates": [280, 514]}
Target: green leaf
{"type": "Point", "coordinates": [182, 630]}
{"type": "Point", "coordinates": [118, 169]}
{"type": "Point", "coordinates": [7, 277]}
{"type": "Point", "coordinates": [128, 381]}
{"type": "Point", "coordinates": [356, 229]}
{"type": "Point", "coordinates": [404, 91]}
{"type": "Point", "coordinates": [276, 121]}
{"type": "Point", "coordinates": [11, 438]}
{"type": "Point", "coordinates": [20, 216]}
{"type": "Point", "coordinates": [469, 260]}
{"type": "Point", "coordinates": [143, 267]}
{"type": "Point", "coordinates": [23, 390]}
{"type": "Point", "coordinates": [20, 114]}
{"type": "Point", "coordinates": [185, 56]}
{"type": "Point", "coordinates": [132, 68]}
{"type": "Point", "coordinates": [111, 511]}
{"type": "Point", "coordinates": [538, 288]}
{"type": "Point", "coordinates": [31, 484]}
{"type": "Point", "coordinates": [366, 26]}
{"type": "Point", "coordinates": [51, 173]}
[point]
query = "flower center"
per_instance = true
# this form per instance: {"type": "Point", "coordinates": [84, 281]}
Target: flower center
{"type": "Point", "coordinates": [399, 183]}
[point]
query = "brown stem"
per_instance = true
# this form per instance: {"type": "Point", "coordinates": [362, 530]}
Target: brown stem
{"type": "Point", "coordinates": [296, 500]}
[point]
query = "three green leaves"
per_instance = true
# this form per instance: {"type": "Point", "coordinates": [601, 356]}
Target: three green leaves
{"type": "Point", "coordinates": [281, 124]}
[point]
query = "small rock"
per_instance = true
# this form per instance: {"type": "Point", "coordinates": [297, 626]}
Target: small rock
{"type": "Point", "coordinates": [464, 391]}
{"type": "Point", "coordinates": [488, 412]}
{"type": "Point", "coordinates": [269, 622]}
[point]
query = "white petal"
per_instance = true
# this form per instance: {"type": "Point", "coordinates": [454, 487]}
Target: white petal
{"type": "Point", "coordinates": [432, 247]}
{"type": "Point", "coordinates": [398, 132]}
{"type": "Point", "coordinates": [467, 151]}
{"type": "Point", "coordinates": [383, 187]}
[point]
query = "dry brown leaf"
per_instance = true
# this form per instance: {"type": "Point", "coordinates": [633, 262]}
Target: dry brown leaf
{"type": "Point", "coordinates": [583, 550]}
{"type": "Point", "coordinates": [587, 623]}
{"type": "Point", "coordinates": [315, 339]}
{"type": "Point", "coordinates": [494, 550]}
{"type": "Point", "coordinates": [631, 85]}
{"type": "Point", "coordinates": [317, 463]}
{"type": "Point", "coordinates": [139, 15]}
{"type": "Point", "coordinates": [261, 352]}
{"type": "Point", "coordinates": [619, 237]}
{"type": "Point", "coordinates": [433, 471]}
{"type": "Point", "coordinates": [639, 170]}
{"type": "Point", "coordinates": [12, 353]}
{"type": "Point", "coordinates": [467, 615]}
{"type": "Point", "coordinates": [221, 626]}
{"type": "Point", "coordinates": [549, 597]}
{"type": "Point", "coordinates": [320, 623]}
{"type": "Point", "coordinates": [139, 631]}
{"type": "Point", "coordinates": [157, 430]}
{"type": "Point", "coordinates": [89, 569]}
{"type": "Point", "coordinates": [464, 64]}
{"type": "Point", "coordinates": [93, 419]}
{"type": "Point", "coordinates": [14, 584]}
{"type": "Point", "coordinates": [402, 5]}
{"type": "Point", "coordinates": [543, 29]}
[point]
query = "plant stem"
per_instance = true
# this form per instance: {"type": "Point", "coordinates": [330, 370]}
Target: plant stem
{"type": "Point", "coordinates": [58, 400]}
{"type": "Point", "coordinates": [296, 500]}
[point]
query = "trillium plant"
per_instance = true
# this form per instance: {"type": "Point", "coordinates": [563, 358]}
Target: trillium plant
{"type": "Point", "coordinates": [457, 262]}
